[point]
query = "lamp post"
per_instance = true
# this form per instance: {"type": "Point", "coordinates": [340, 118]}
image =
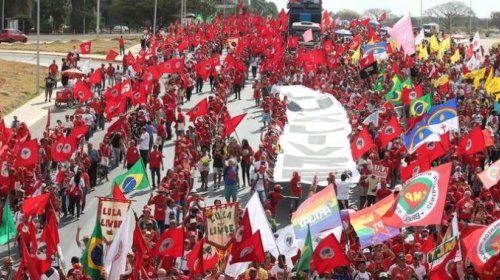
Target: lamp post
{"type": "Point", "coordinates": [3, 14]}
{"type": "Point", "coordinates": [37, 46]}
{"type": "Point", "coordinates": [97, 29]}
{"type": "Point", "coordinates": [154, 19]}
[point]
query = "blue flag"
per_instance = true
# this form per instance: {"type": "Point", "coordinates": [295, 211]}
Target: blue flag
{"type": "Point", "coordinates": [443, 117]}
{"type": "Point", "coordinates": [378, 50]}
{"type": "Point", "coordinates": [420, 135]}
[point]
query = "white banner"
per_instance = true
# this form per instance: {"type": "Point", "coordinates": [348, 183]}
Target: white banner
{"type": "Point", "coordinates": [315, 140]}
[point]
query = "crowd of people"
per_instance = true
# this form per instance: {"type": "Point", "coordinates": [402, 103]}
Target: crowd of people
{"type": "Point", "coordinates": [144, 122]}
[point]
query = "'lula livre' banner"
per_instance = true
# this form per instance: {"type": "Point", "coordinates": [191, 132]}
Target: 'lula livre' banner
{"type": "Point", "coordinates": [111, 214]}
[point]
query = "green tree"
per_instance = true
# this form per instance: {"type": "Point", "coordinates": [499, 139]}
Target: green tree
{"type": "Point", "coordinates": [79, 10]}
{"type": "Point", "coordinates": [495, 19]}
{"type": "Point", "coordinates": [450, 12]}
{"type": "Point", "coordinates": [264, 8]}
{"type": "Point", "coordinates": [347, 14]}
{"type": "Point", "coordinates": [53, 14]}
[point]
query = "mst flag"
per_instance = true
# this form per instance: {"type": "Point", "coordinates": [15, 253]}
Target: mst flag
{"type": "Point", "coordinates": [136, 178]}
{"type": "Point", "coordinates": [328, 255]}
{"type": "Point", "coordinates": [421, 202]}
{"type": "Point", "coordinates": [249, 250]}
{"type": "Point", "coordinates": [85, 48]}
{"type": "Point", "coordinates": [472, 143]}
{"type": "Point", "coordinates": [482, 244]}
{"type": "Point", "coordinates": [361, 144]}
{"type": "Point", "coordinates": [28, 154]}
{"type": "Point", "coordinates": [231, 124]}
{"type": "Point", "coordinates": [198, 110]}
{"type": "Point", "coordinates": [171, 243]}
{"type": "Point", "coordinates": [111, 55]}
{"type": "Point", "coordinates": [8, 227]}
{"type": "Point", "coordinates": [390, 131]}
{"type": "Point", "coordinates": [490, 175]}
{"type": "Point", "coordinates": [82, 92]}
{"type": "Point", "coordinates": [93, 255]}
{"type": "Point", "coordinates": [35, 205]}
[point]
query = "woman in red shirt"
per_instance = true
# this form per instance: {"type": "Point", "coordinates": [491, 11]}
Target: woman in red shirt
{"type": "Point", "coordinates": [132, 155]}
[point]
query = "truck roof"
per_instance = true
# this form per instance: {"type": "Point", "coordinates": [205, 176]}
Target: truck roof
{"type": "Point", "coordinates": [301, 4]}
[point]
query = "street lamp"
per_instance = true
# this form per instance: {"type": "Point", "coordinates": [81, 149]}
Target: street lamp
{"type": "Point", "coordinates": [3, 14]}
{"type": "Point", "coordinates": [154, 19]}
{"type": "Point", "coordinates": [97, 29]}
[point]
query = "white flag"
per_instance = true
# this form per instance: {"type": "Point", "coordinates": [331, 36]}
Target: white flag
{"type": "Point", "coordinates": [258, 221]}
{"type": "Point", "coordinates": [286, 242]}
{"type": "Point", "coordinates": [420, 38]}
{"type": "Point", "coordinates": [476, 42]}
{"type": "Point", "coordinates": [116, 257]}
{"type": "Point", "coordinates": [372, 118]}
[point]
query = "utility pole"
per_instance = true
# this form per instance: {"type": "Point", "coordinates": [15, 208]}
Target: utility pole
{"type": "Point", "coordinates": [3, 14]}
{"type": "Point", "coordinates": [154, 19]}
{"type": "Point", "coordinates": [37, 47]}
{"type": "Point", "coordinates": [98, 30]}
{"type": "Point", "coordinates": [84, 16]}
{"type": "Point", "coordinates": [421, 13]}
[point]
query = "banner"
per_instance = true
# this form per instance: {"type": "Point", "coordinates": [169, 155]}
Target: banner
{"type": "Point", "coordinates": [315, 139]}
{"type": "Point", "coordinates": [320, 212]}
{"type": "Point", "coordinates": [220, 224]}
{"type": "Point", "coordinates": [380, 170]}
{"type": "Point", "coordinates": [111, 214]}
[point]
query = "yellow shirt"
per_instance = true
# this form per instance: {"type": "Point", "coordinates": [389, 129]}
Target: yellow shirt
{"type": "Point", "coordinates": [262, 273]}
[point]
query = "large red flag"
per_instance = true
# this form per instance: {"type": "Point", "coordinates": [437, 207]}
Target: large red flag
{"type": "Point", "coordinates": [198, 110]}
{"type": "Point", "coordinates": [27, 264]}
{"type": "Point", "coordinates": [79, 131]}
{"type": "Point", "coordinates": [328, 255]}
{"type": "Point", "coordinates": [361, 144]}
{"type": "Point", "coordinates": [63, 148]}
{"type": "Point", "coordinates": [231, 124]}
{"type": "Point", "coordinates": [171, 243]}
{"type": "Point", "coordinates": [482, 244]}
{"type": "Point", "coordinates": [472, 143]}
{"type": "Point", "coordinates": [96, 77]}
{"type": "Point", "coordinates": [421, 202]}
{"type": "Point", "coordinates": [85, 47]}
{"type": "Point", "coordinates": [431, 151]}
{"type": "Point", "coordinates": [81, 91]}
{"type": "Point", "coordinates": [491, 269]}
{"type": "Point", "coordinates": [113, 92]}
{"type": "Point", "coordinates": [203, 257]}
{"type": "Point", "coordinates": [50, 234]}
{"type": "Point", "coordinates": [204, 68]}
{"type": "Point", "coordinates": [409, 94]}
{"type": "Point", "coordinates": [249, 250]}
{"type": "Point", "coordinates": [390, 131]}
{"type": "Point", "coordinates": [35, 205]}
{"type": "Point", "coordinates": [326, 22]}
{"type": "Point", "coordinates": [111, 56]}
{"type": "Point", "coordinates": [27, 154]}
{"type": "Point", "coordinates": [412, 169]}
{"type": "Point", "coordinates": [355, 42]}
{"type": "Point", "coordinates": [138, 241]}
{"type": "Point", "coordinates": [243, 232]}
{"type": "Point", "coordinates": [443, 269]}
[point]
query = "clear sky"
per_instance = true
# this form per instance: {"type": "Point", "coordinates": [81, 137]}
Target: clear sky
{"type": "Point", "coordinates": [482, 8]}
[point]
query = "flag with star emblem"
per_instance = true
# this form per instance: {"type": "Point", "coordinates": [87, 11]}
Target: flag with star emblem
{"type": "Point", "coordinates": [369, 226]}
{"type": "Point", "coordinates": [27, 154]}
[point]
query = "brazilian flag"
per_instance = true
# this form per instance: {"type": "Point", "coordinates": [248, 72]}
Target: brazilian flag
{"type": "Point", "coordinates": [379, 82]}
{"type": "Point", "coordinates": [420, 106]}
{"type": "Point", "coordinates": [397, 86]}
{"type": "Point", "coordinates": [136, 178]}
{"type": "Point", "coordinates": [93, 255]}
{"type": "Point", "coordinates": [304, 263]}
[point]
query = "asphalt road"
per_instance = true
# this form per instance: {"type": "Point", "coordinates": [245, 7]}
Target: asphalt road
{"type": "Point", "coordinates": [248, 129]}
{"type": "Point", "coordinates": [46, 60]}
{"type": "Point", "coordinates": [67, 37]}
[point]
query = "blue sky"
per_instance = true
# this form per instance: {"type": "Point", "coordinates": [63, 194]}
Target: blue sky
{"type": "Point", "coordinates": [482, 8]}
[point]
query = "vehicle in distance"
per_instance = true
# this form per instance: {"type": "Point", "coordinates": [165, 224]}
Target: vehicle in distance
{"type": "Point", "coordinates": [12, 35]}
{"type": "Point", "coordinates": [120, 29]}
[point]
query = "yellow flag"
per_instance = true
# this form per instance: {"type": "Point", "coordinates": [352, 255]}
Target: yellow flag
{"type": "Point", "coordinates": [434, 44]}
{"type": "Point", "coordinates": [455, 57]}
{"type": "Point", "coordinates": [490, 77]}
{"type": "Point", "coordinates": [441, 81]}
{"type": "Point", "coordinates": [356, 56]}
{"type": "Point", "coordinates": [479, 73]}
{"type": "Point", "coordinates": [423, 54]}
{"type": "Point", "coordinates": [494, 86]}
{"type": "Point", "coordinates": [478, 77]}
{"type": "Point", "coordinates": [445, 44]}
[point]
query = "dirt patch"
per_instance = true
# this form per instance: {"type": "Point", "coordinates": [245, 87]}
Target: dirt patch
{"type": "Point", "coordinates": [99, 46]}
{"type": "Point", "coordinates": [17, 84]}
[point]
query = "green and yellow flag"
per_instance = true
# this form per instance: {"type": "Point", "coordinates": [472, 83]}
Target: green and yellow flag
{"type": "Point", "coordinates": [93, 255]}
{"type": "Point", "coordinates": [306, 254]}
{"type": "Point", "coordinates": [420, 106]}
{"type": "Point", "coordinates": [379, 82]}
{"type": "Point", "coordinates": [8, 227]}
{"type": "Point", "coordinates": [136, 178]}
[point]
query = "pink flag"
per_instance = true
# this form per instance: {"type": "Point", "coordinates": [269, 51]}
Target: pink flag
{"type": "Point", "coordinates": [402, 32]}
{"type": "Point", "coordinates": [490, 175]}
{"type": "Point", "coordinates": [308, 35]}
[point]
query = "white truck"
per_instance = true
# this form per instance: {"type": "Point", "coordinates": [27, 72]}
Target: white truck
{"type": "Point", "coordinates": [431, 29]}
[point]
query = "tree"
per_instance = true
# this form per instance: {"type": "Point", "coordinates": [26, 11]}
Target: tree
{"type": "Point", "coordinates": [450, 11]}
{"type": "Point", "coordinates": [347, 14]}
{"type": "Point", "coordinates": [495, 19]}
{"type": "Point", "coordinates": [375, 13]}
{"type": "Point", "coordinates": [264, 8]}
{"type": "Point", "coordinates": [53, 14]}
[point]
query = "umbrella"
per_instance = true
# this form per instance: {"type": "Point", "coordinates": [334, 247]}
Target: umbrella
{"type": "Point", "coordinates": [72, 73]}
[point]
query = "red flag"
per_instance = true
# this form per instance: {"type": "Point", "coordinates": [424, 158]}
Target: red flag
{"type": "Point", "coordinates": [354, 23]}
{"type": "Point", "coordinates": [249, 250]}
{"type": "Point", "coordinates": [355, 42]}
{"type": "Point", "coordinates": [390, 131]}
{"type": "Point", "coordinates": [114, 108]}
{"type": "Point", "coordinates": [412, 169]}
{"type": "Point", "coordinates": [408, 94]}
{"type": "Point", "coordinates": [472, 143]}
{"type": "Point", "coordinates": [111, 56]}
{"type": "Point", "coordinates": [203, 257]}
{"type": "Point", "coordinates": [361, 104]}
{"type": "Point", "coordinates": [138, 242]}
{"type": "Point", "coordinates": [198, 110]}
{"type": "Point", "coordinates": [183, 45]}
{"type": "Point", "coordinates": [204, 68]}
{"type": "Point", "coordinates": [85, 47]}
{"type": "Point", "coordinates": [47, 125]}
{"type": "Point", "coordinates": [372, 36]}
{"type": "Point", "coordinates": [27, 263]}
{"type": "Point", "coordinates": [130, 58]}
{"type": "Point", "coordinates": [326, 21]}
{"type": "Point", "coordinates": [482, 245]}
{"type": "Point", "coordinates": [96, 77]}
{"type": "Point", "coordinates": [328, 255]}
{"type": "Point", "coordinates": [366, 61]}
{"type": "Point", "coordinates": [442, 271]}
{"type": "Point", "coordinates": [216, 59]}
{"type": "Point", "coordinates": [113, 92]}
{"type": "Point", "coordinates": [491, 269]}
{"type": "Point", "coordinates": [365, 22]}
{"type": "Point", "coordinates": [328, 46]}
{"type": "Point", "coordinates": [382, 17]}
{"type": "Point", "coordinates": [428, 244]}
{"type": "Point", "coordinates": [50, 234]}
{"type": "Point", "coordinates": [126, 88]}
{"type": "Point", "coordinates": [431, 151]}
{"type": "Point", "coordinates": [81, 91]}
{"type": "Point", "coordinates": [63, 148]}
{"type": "Point", "coordinates": [361, 144]}
{"type": "Point", "coordinates": [293, 42]}
{"type": "Point", "coordinates": [139, 97]}
{"type": "Point", "coordinates": [243, 232]}
{"type": "Point", "coordinates": [171, 66]}
{"type": "Point", "coordinates": [421, 202]}
{"type": "Point", "coordinates": [117, 193]}
{"type": "Point", "coordinates": [27, 154]}
{"type": "Point", "coordinates": [35, 205]}
{"type": "Point", "coordinates": [79, 131]}
{"type": "Point", "coordinates": [171, 243]}
{"type": "Point", "coordinates": [231, 124]}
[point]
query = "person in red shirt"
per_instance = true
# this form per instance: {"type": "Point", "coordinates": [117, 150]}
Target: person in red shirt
{"type": "Point", "coordinates": [465, 207]}
{"type": "Point", "coordinates": [155, 162]}
{"type": "Point", "coordinates": [110, 74]}
{"type": "Point", "coordinates": [53, 70]}
{"type": "Point", "coordinates": [383, 191]}
{"type": "Point", "coordinates": [121, 45]}
{"type": "Point", "coordinates": [238, 80]}
{"type": "Point", "coordinates": [132, 155]}
{"type": "Point", "coordinates": [296, 190]}
{"type": "Point", "coordinates": [26, 231]}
